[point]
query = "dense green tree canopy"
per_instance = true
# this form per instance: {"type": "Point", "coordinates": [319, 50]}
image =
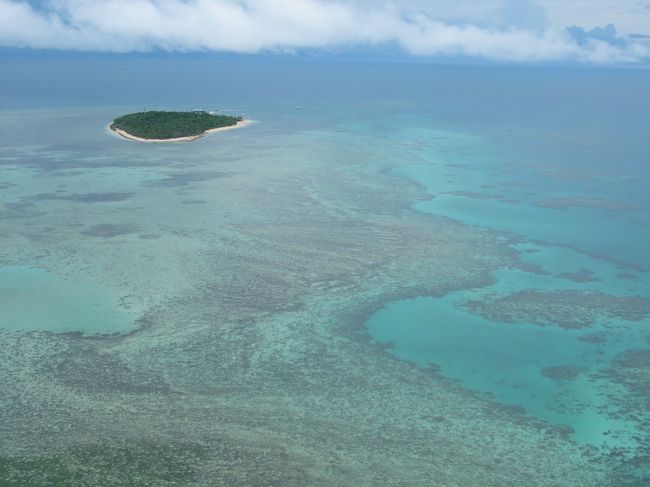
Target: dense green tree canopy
{"type": "Point", "coordinates": [170, 125]}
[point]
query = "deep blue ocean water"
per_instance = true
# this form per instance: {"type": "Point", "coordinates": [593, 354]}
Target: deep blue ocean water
{"type": "Point", "coordinates": [554, 160]}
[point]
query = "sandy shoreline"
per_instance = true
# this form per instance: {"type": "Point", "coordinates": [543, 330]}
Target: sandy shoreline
{"type": "Point", "coordinates": [126, 135]}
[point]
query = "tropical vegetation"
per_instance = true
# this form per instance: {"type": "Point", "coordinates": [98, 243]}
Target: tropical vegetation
{"type": "Point", "coordinates": [171, 125]}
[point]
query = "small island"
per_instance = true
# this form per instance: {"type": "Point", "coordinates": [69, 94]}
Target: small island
{"type": "Point", "coordinates": [159, 126]}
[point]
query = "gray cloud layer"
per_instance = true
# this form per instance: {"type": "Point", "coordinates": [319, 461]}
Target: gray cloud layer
{"type": "Point", "coordinates": [250, 26]}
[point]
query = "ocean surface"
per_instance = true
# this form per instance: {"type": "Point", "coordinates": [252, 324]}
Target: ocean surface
{"type": "Point", "coordinates": [399, 274]}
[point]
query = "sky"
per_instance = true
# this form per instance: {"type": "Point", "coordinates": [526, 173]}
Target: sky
{"type": "Point", "coordinates": [515, 31]}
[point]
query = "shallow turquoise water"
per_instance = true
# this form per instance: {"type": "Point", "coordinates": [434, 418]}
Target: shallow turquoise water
{"type": "Point", "coordinates": [37, 300]}
{"type": "Point", "coordinates": [506, 360]}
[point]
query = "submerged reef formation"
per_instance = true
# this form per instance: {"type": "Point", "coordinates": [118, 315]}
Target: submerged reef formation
{"type": "Point", "coordinates": [631, 371]}
{"type": "Point", "coordinates": [569, 309]}
{"type": "Point", "coordinates": [250, 364]}
{"type": "Point", "coordinates": [131, 465]}
{"type": "Point", "coordinates": [634, 359]}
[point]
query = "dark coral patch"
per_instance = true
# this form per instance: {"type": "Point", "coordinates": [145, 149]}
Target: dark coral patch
{"type": "Point", "coordinates": [626, 276]}
{"type": "Point", "coordinates": [579, 202]}
{"type": "Point", "coordinates": [19, 210]}
{"type": "Point", "coordinates": [83, 197]}
{"type": "Point", "coordinates": [560, 373]}
{"type": "Point", "coordinates": [594, 338]}
{"type": "Point", "coordinates": [582, 276]}
{"type": "Point", "coordinates": [109, 230]}
{"type": "Point", "coordinates": [183, 179]}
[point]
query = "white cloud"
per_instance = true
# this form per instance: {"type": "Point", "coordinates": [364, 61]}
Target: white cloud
{"type": "Point", "coordinates": [629, 16]}
{"type": "Point", "coordinates": [505, 30]}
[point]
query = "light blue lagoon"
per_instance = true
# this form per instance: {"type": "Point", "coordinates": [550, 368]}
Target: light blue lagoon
{"type": "Point", "coordinates": [580, 231]}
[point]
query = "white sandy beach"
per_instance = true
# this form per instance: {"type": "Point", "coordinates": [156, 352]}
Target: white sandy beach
{"type": "Point", "coordinates": [126, 135]}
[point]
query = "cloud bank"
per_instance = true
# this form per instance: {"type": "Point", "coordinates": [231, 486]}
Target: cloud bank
{"type": "Point", "coordinates": [253, 26]}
